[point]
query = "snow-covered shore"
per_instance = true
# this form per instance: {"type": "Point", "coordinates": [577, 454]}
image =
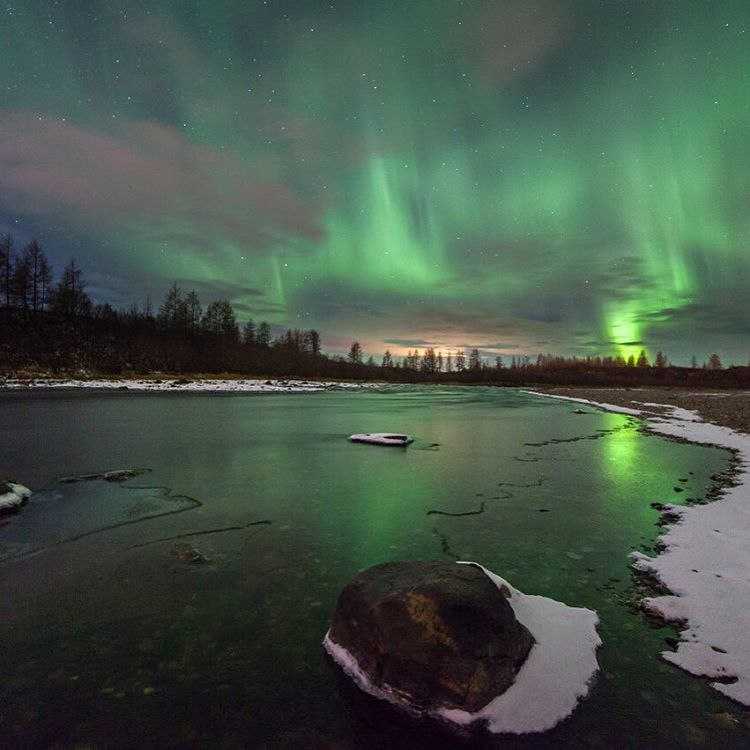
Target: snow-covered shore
{"type": "Point", "coordinates": [705, 562]}
{"type": "Point", "coordinates": [556, 674]}
{"type": "Point", "coordinates": [218, 385]}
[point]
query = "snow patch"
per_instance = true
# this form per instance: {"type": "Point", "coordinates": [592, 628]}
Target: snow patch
{"type": "Point", "coordinates": [192, 386]}
{"type": "Point", "coordinates": [382, 438]}
{"type": "Point", "coordinates": [706, 565]}
{"type": "Point", "coordinates": [608, 407]}
{"type": "Point", "coordinates": [556, 674]}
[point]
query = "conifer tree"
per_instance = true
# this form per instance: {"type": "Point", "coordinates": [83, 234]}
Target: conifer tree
{"type": "Point", "coordinates": [355, 353]}
{"type": "Point", "coordinates": [264, 335]}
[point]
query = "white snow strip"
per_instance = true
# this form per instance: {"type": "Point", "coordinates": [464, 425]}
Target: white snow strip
{"type": "Point", "coordinates": [382, 438]}
{"type": "Point", "coordinates": [14, 497]}
{"type": "Point", "coordinates": [547, 688]}
{"type": "Point", "coordinates": [209, 385]}
{"type": "Point", "coordinates": [608, 407]}
{"type": "Point", "coordinates": [706, 566]}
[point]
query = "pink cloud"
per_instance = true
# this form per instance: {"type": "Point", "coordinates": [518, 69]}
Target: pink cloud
{"type": "Point", "coordinates": [143, 172]}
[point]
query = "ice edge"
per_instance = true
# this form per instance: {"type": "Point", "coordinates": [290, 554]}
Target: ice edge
{"type": "Point", "coordinates": [705, 562]}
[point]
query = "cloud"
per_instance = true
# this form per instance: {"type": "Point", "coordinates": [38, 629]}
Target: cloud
{"type": "Point", "coordinates": [146, 175]}
{"type": "Point", "coordinates": [409, 342]}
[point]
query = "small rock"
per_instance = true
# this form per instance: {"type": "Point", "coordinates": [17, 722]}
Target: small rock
{"type": "Point", "coordinates": [725, 719]}
{"type": "Point", "coordinates": [189, 554]}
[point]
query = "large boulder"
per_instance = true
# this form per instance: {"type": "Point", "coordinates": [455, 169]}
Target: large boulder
{"type": "Point", "coordinates": [432, 634]}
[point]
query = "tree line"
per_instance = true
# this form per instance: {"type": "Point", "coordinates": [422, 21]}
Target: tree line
{"type": "Point", "coordinates": [54, 326]}
{"type": "Point", "coordinates": [432, 362]}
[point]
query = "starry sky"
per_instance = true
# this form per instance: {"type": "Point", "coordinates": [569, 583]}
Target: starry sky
{"type": "Point", "coordinates": [518, 175]}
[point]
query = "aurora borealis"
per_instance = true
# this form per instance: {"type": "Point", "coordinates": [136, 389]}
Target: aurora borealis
{"type": "Point", "coordinates": [570, 177]}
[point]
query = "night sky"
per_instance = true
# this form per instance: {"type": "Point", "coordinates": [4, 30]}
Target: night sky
{"type": "Point", "coordinates": [520, 176]}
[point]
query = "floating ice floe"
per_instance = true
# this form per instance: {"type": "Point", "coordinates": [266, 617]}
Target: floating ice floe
{"type": "Point", "coordinates": [556, 674]}
{"type": "Point", "coordinates": [382, 438]}
{"type": "Point", "coordinates": [12, 496]}
{"type": "Point", "coordinates": [705, 563]}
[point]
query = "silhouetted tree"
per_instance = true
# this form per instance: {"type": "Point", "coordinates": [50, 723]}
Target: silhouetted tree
{"type": "Point", "coordinates": [21, 282]}
{"type": "Point", "coordinates": [642, 359]}
{"type": "Point", "coordinates": [661, 360]}
{"type": "Point", "coordinates": [40, 275]}
{"type": "Point", "coordinates": [249, 333]}
{"type": "Point", "coordinates": [6, 268]}
{"type": "Point", "coordinates": [171, 310]}
{"type": "Point", "coordinates": [355, 353]}
{"type": "Point", "coordinates": [475, 361]}
{"type": "Point", "coordinates": [387, 359]}
{"type": "Point", "coordinates": [45, 282]}
{"type": "Point", "coordinates": [460, 361]}
{"type": "Point", "coordinates": [312, 342]}
{"type": "Point", "coordinates": [219, 321]}
{"type": "Point", "coordinates": [69, 299]}
{"type": "Point", "coordinates": [264, 335]}
{"type": "Point", "coordinates": [193, 311]}
{"type": "Point", "coordinates": [714, 362]}
{"type": "Point", "coordinates": [429, 361]}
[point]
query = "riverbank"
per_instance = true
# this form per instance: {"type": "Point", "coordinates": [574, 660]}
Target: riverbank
{"type": "Point", "coordinates": [705, 557]}
{"type": "Point", "coordinates": [727, 408]}
{"type": "Point", "coordinates": [193, 384]}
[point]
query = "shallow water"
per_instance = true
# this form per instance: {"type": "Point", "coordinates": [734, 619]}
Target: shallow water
{"type": "Point", "coordinates": [110, 638]}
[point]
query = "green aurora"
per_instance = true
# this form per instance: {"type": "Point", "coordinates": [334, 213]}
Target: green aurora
{"type": "Point", "coordinates": [570, 177]}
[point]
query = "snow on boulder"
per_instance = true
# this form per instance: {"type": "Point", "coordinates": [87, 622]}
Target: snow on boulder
{"type": "Point", "coordinates": [382, 438]}
{"type": "Point", "coordinates": [12, 496]}
{"type": "Point", "coordinates": [457, 643]}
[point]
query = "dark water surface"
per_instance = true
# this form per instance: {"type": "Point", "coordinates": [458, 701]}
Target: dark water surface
{"type": "Point", "coordinates": [108, 638]}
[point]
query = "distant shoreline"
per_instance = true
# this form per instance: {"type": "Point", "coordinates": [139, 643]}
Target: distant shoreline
{"type": "Point", "coordinates": [729, 407]}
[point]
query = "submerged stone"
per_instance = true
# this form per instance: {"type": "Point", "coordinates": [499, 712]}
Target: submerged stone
{"type": "Point", "coordinates": [187, 553]}
{"type": "Point", "coordinates": [436, 634]}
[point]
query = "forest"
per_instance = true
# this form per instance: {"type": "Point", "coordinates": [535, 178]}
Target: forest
{"type": "Point", "coordinates": [54, 327]}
